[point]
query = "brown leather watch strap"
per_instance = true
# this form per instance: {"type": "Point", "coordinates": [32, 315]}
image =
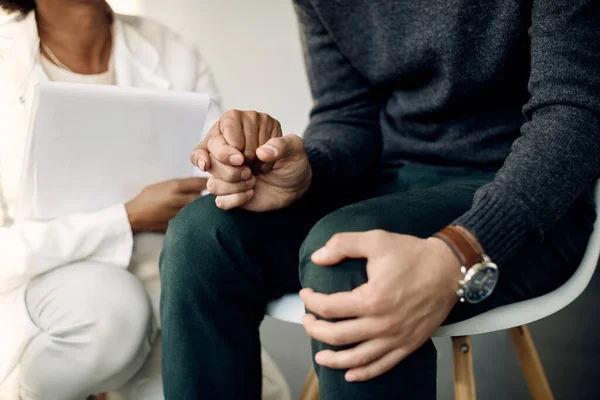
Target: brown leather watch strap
{"type": "Point", "coordinates": [468, 253]}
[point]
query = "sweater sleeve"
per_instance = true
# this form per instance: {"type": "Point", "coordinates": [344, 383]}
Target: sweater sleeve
{"type": "Point", "coordinates": [343, 139]}
{"type": "Point", "coordinates": [558, 153]}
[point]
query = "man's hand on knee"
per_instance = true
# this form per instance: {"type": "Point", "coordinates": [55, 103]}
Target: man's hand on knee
{"type": "Point", "coordinates": [252, 165]}
{"type": "Point", "coordinates": [411, 289]}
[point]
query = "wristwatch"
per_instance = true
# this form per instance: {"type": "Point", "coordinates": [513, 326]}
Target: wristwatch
{"type": "Point", "coordinates": [480, 274]}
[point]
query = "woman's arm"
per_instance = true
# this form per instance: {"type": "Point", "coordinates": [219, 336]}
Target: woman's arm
{"type": "Point", "coordinates": [29, 249]}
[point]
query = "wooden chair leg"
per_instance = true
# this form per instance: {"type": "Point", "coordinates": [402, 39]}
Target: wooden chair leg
{"type": "Point", "coordinates": [464, 378]}
{"type": "Point", "coordinates": [531, 364]}
{"type": "Point", "coordinates": [311, 387]}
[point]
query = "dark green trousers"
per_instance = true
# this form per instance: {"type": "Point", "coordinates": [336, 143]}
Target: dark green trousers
{"type": "Point", "coordinates": [220, 268]}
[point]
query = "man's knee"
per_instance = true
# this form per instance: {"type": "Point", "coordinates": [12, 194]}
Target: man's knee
{"type": "Point", "coordinates": [203, 252]}
{"type": "Point", "coordinates": [346, 275]}
{"type": "Point", "coordinates": [190, 230]}
{"type": "Point", "coordinates": [192, 239]}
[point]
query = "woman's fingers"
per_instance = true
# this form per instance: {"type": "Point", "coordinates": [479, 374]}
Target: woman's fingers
{"type": "Point", "coordinates": [222, 188]}
{"type": "Point", "coordinates": [190, 185]}
{"type": "Point", "coordinates": [230, 201]}
{"type": "Point", "coordinates": [186, 198]}
{"type": "Point", "coordinates": [228, 173]}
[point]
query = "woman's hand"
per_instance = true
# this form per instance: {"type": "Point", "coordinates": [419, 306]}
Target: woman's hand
{"type": "Point", "coordinates": [411, 289]}
{"type": "Point", "coordinates": [151, 210]}
{"type": "Point", "coordinates": [252, 165]}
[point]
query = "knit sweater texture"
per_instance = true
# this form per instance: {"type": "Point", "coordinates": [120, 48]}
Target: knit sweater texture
{"type": "Point", "coordinates": [506, 85]}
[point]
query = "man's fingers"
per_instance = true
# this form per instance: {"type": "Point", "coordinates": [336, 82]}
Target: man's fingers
{"type": "Point", "coordinates": [220, 188]}
{"type": "Point", "coordinates": [232, 128]}
{"type": "Point", "coordinates": [333, 306]}
{"type": "Point", "coordinates": [222, 151]}
{"type": "Point", "coordinates": [265, 168]}
{"type": "Point", "coordinates": [252, 123]}
{"type": "Point", "coordinates": [358, 356]}
{"type": "Point", "coordinates": [340, 333]}
{"type": "Point", "coordinates": [190, 185]}
{"type": "Point", "coordinates": [348, 245]}
{"type": "Point", "coordinates": [228, 173]}
{"type": "Point", "coordinates": [231, 201]}
{"type": "Point", "coordinates": [377, 367]}
{"type": "Point", "coordinates": [277, 148]}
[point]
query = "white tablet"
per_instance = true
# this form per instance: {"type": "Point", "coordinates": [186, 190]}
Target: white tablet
{"type": "Point", "coordinates": [92, 146]}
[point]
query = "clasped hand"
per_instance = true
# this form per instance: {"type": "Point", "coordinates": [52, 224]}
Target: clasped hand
{"type": "Point", "coordinates": [411, 282]}
{"type": "Point", "coordinates": [252, 165]}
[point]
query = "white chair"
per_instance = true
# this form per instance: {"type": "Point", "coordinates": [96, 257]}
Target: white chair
{"type": "Point", "coordinates": [513, 317]}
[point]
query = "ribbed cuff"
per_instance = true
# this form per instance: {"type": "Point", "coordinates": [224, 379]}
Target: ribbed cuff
{"type": "Point", "coordinates": [502, 223]}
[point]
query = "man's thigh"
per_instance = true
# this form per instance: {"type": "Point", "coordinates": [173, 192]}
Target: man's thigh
{"type": "Point", "coordinates": [420, 213]}
{"type": "Point", "coordinates": [207, 245]}
{"type": "Point", "coordinates": [536, 270]}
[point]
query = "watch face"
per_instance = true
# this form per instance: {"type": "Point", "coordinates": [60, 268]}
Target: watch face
{"type": "Point", "coordinates": [481, 283]}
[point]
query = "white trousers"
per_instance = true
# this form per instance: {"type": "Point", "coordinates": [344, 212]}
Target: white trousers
{"type": "Point", "coordinates": [98, 332]}
{"type": "Point", "coordinates": [95, 332]}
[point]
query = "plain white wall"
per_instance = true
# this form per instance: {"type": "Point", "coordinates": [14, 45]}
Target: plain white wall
{"type": "Point", "coordinates": [253, 48]}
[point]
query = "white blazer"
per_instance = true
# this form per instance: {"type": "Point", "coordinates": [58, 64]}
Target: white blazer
{"type": "Point", "coordinates": [146, 54]}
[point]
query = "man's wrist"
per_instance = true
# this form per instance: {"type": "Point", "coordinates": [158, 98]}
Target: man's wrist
{"type": "Point", "coordinates": [306, 185]}
{"type": "Point", "coordinates": [480, 274]}
{"type": "Point", "coordinates": [470, 237]}
{"type": "Point", "coordinates": [450, 264]}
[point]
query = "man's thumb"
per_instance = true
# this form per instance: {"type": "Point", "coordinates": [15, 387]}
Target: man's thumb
{"type": "Point", "coordinates": [278, 148]}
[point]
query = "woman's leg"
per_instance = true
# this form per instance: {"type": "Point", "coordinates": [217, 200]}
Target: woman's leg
{"type": "Point", "coordinates": [96, 330]}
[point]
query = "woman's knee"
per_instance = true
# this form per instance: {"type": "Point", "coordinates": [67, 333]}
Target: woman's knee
{"type": "Point", "coordinates": [105, 305]}
{"type": "Point", "coordinates": [124, 325]}
{"type": "Point", "coordinates": [97, 316]}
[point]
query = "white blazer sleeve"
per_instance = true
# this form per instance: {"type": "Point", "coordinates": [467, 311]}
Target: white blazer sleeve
{"type": "Point", "coordinates": [32, 248]}
{"type": "Point", "coordinates": [205, 83]}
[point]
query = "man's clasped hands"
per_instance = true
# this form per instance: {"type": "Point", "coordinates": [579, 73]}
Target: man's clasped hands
{"type": "Point", "coordinates": [411, 281]}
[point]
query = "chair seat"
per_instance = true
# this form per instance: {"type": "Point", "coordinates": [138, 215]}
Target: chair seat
{"type": "Point", "coordinates": [290, 307]}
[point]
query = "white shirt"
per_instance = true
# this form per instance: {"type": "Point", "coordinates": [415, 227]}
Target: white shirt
{"type": "Point", "coordinates": [58, 74]}
{"type": "Point", "coordinates": [146, 54]}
